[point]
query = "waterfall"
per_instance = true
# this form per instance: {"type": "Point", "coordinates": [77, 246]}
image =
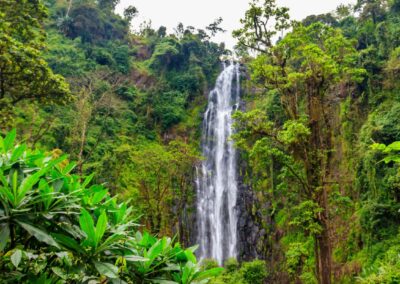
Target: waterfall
{"type": "Point", "coordinates": [217, 177]}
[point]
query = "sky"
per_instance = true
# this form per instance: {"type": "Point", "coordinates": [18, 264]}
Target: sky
{"type": "Point", "coordinates": [200, 13]}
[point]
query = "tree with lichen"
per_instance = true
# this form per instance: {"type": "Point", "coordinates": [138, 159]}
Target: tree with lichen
{"type": "Point", "coordinates": [311, 69]}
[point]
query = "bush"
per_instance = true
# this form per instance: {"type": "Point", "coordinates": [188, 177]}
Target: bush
{"type": "Point", "coordinates": [231, 264]}
{"type": "Point", "coordinates": [387, 268]}
{"type": "Point", "coordinates": [254, 272]}
{"type": "Point", "coordinates": [209, 263]}
{"type": "Point", "coordinates": [169, 108]}
{"type": "Point", "coordinates": [56, 227]}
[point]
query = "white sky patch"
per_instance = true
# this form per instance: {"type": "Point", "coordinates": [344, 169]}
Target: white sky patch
{"type": "Point", "coordinates": [199, 14]}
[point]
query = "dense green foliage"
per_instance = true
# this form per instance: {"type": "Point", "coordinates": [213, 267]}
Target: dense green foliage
{"type": "Point", "coordinates": [57, 227]}
{"type": "Point", "coordinates": [254, 272]}
{"type": "Point", "coordinates": [126, 106]}
{"type": "Point", "coordinates": [319, 143]}
{"type": "Point", "coordinates": [24, 74]}
{"type": "Point", "coordinates": [133, 94]}
{"type": "Point", "coordinates": [326, 92]}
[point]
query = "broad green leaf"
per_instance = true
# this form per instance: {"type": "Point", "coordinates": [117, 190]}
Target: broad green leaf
{"type": "Point", "coordinates": [203, 275]}
{"type": "Point", "coordinates": [16, 257]}
{"type": "Point", "coordinates": [87, 180]}
{"type": "Point", "coordinates": [17, 153]}
{"type": "Point", "coordinates": [39, 234]}
{"type": "Point", "coordinates": [193, 248]}
{"type": "Point", "coordinates": [68, 242]}
{"type": "Point", "coordinates": [9, 140]}
{"type": "Point", "coordinates": [155, 250]}
{"type": "Point", "coordinates": [60, 273]}
{"type": "Point", "coordinates": [395, 146]}
{"type": "Point", "coordinates": [45, 193]}
{"type": "Point", "coordinates": [87, 226]}
{"type": "Point", "coordinates": [391, 158]}
{"type": "Point", "coordinates": [134, 258]}
{"type": "Point", "coordinates": [378, 147]}
{"type": "Point", "coordinates": [188, 269]}
{"type": "Point", "coordinates": [190, 256]}
{"type": "Point", "coordinates": [29, 182]}
{"type": "Point", "coordinates": [68, 168]}
{"type": "Point", "coordinates": [15, 184]}
{"type": "Point", "coordinates": [101, 227]}
{"type": "Point", "coordinates": [98, 196]}
{"type": "Point", "coordinates": [4, 236]}
{"type": "Point", "coordinates": [3, 178]}
{"type": "Point", "coordinates": [6, 193]}
{"type": "Point", "coordinates": [120, 214]}
{"type": "Point", "coordinates": [2, 145]}
{"type": "Point", "coordinates": [171, 267]}
{"type": "Point", "coordinates": [106, 269]}
{"type": "Point", "coordinates": [109, 241]}
{"type": "Point", "coordinates": [162, 281]}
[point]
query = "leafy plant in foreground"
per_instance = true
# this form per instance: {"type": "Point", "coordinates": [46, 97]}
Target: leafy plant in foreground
{"type": "Point", "coordinates": [57, 228]}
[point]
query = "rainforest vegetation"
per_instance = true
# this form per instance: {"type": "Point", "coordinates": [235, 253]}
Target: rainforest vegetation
{"type": "Point", "coordinates": [100, 135]}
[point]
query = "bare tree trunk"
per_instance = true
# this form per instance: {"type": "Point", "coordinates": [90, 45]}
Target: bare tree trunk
{"type": "Point", "coordinates": [69, 7]}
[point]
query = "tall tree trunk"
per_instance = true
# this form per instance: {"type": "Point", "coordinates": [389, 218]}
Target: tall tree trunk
{"type": "Point", "coordinates": [317, 171]}
{"type": "Point", "coordinates": [324, 254]}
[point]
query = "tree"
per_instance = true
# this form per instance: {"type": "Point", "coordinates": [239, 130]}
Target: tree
{"type": "Point", "coordinates": [373, 9]}
{"type": "Point", "coordinates": [215, 28]}
{"type": "Point", "coordinates": [24, 74]}
{"type": "Point", "coordinates": [327, 19]}
{"type": "Point", "coordinates": [179, 30]}
{"type": "Point", "coordinates": [343, 11]}
{"type": "Point", "coordinates": [310, 69]}
{"type": "Point", "coordinates": [108, 4]}
{"type": "Point", "coordinates": [169, 108]}
{"type": "Point", "coordinates": [162, 31]}
{"type": "Point", "coordinates": [130, 12]}
{"type": "Point", "coordinates": [256, 32]}
{"type": "Point", "coordinates": [159, 178]}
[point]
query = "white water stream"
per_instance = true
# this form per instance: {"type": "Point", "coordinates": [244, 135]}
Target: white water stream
{"type": "Point", "coordinates": [217, 178]}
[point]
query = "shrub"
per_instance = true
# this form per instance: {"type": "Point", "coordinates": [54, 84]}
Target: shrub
{"type": "Point", "coordinates": [57, 228]}
{"type": "Point", "coordinates": [254, 272]}
{"type": "Point", "coordinates": [231, 264]}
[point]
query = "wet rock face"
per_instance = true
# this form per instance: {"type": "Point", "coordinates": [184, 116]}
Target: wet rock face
{"type": "Point", "coordinates": [252, 239]}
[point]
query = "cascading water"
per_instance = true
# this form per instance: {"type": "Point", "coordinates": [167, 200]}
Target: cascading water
{"type": "Point", "coordinates": [217, 178]}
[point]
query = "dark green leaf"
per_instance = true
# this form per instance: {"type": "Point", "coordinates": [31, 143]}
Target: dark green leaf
{"type": "Point", "coordinates": [39, 234]}
{"type": "Point", "coordinates": [106, 269]}
{"type": "Point", "coordinates": [67, 242]}
{"type": "Point", "coordinates": [4, 236]}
